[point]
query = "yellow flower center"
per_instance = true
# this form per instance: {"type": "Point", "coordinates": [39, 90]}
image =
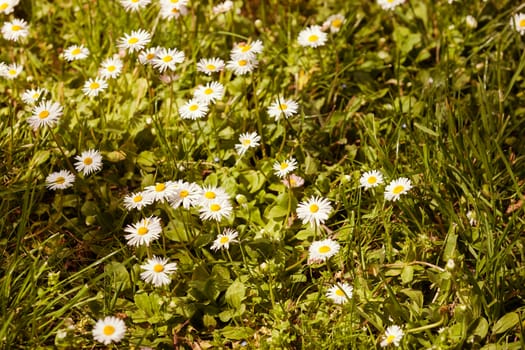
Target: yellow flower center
{"type": "Point", "coordinates": [283, 106]}
{"type": "Point", "coordinates": [94, 85]}
{"type": "Point", "coordinates": [210, 67]}
{"type": "Point", "coordinates": [88, 161]}
{"type": "Point", "coordinates": [111, 68]}
{"type": "Point", "coordinates": [208, 91]}
{"type": "Point", "coordinates": [43, 114]}
{"type": "Point", "coordinates": [224, 239]}
{"type": "Point", "coordinates": [108, 330]}
{"type": "Point", "coordinates": [167, 59]}
{"type": "Point", "coordinates": [184, 193]}
{"type": "Point", "coordinates": [390, 339]}
{"type": "Point", "coordinates": [245, 47]}
{"type": "Point", "coordinates": [210, 195]}
{"type": "Point", "coordinates": [150, 56]}
{"type": "Point", "coordinates": [137, 198]}
{"type": "Point", "coordinates": [324, 249]}
{"type": "Point", "coordinates": [314, 208]}
{"type": "Point", "coordinates": [142, 231]}
{"type": "Point", "coordinates": [215, 207]}
{"type": "Point", "coordinates": [522, 23]}
{"type": "Point", "coordinates": [134, 1]}
{"type": "Point", "coordinates": [76, 51]}
{"type": "Point", "coordinates": [337, 23]}
{"type": "Point", "coordinates": [158, 268]}
{"type": "Point", "coordinates": [12, 72]}
{"type": "Point", "coordinates": [371, 180]}
{"type": "Point", "coordinates": [398, 189]}
{"type": "Point", "coordinates": [133, 41]}
{"type": "Point", "coordinates": [3, 6]}
{"type": "Point", "coordinates": [293, 183]}
{"type": "Point", "coordinates": [246, 142]}
{"type": "Point", "coordinates": [313, 38]}
{"type": "Point", "coordinates": [193, 108]}
{"type": "Point", "coordinates": [390, 1]}
{"type": "Point", "coordinates": [174, 10]}
{"type": "Point", "coordinates": [16, 28]}
{"type": "Point", "coordinates": [160, 187]}
{"type": "Point", "coordinates": [339, 292]}
{"type": "Point", "coordinates": [60, 180]}
{"type": "Point", "coordinates": [284, 165]}
{"type": "Point", "coordinates": [242, 63]}
{"type": "Point", "coordinates": [174, 1]}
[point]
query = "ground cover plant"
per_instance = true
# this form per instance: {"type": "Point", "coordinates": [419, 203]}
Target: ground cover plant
{"type": "Point", "coordinates": [262, 174]}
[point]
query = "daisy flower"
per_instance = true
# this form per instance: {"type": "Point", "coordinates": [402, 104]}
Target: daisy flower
{"type": "Point", "coordinates": [31, 96]}
{"type": "Point", "coordinates": [143, 232]}
{"type": "Point", "coordinates": [216, 210]}
{"type": "Point", "coordinates": [247, 51]}
{"type": "Point", "coordinates": [393, 335]}
{"type": "Point", "coordinates": [76, 52]}
{"type": "Point", "coordinates": [315, 210]}
{"type": "Point", "coordinates": [208, 194]}
{"type": "Point", "coordinates": [193, 109]}
{"type": "Point", "coordinates": [167, 59]}
{"type": "Point", "coordinates": [241, 66]}
{"type": "Point", "coordinates": [111, 67]}
{"type": "Point", "coordinates": [186, 194]}
{"type": "Point", "coordinates": [222, 7]}
{"type": "Point", "coordinates": [371, 179]}
{"type": "Point", "coordinates": [247, 140]}
{"type": "Point", "coordinates": [312, 36]}
{"type": "Point", "coordinates": [389, 4]}
{"type": "Point", "coordinates": [137, 201]}
{"type": "Point", "coordinates": [134, 5]}
{"type": "Point", "coordinates": [210, 65]}
{"type": "Point", "coordinates": [135, 41]}
{"type": "Point", "coordinates": [92, 87]}
{"type": "Point", "coordinates": [334, 22]}
{"type": "Point", "coordinates": [340, 293]}
{"type": "Point", "coordinates": [518, 22]}
{"type": "Point", "coordinates": [88, 162]}
{"type": "Point", "coordinates": [210, 92]}
{"type": "Point", "coordinates": [282, 107]}
{"type": "Point", "coordinates": [396, 188]}
{"type": "Point", "coordinates": [11, 71]}
{"type": "Point", "coordinates": [176, 3]}
{"type": "Point", "coordinates": [323, 250]}
{"type": "Point", "coordinates": [157, 271]}
{"type": "Point", "coordinates": [7, 6]}
{"type": "Point", "coordinates": [15, 30]}
{"type": "Point", "coordinates": [60, 180]}
{"type": "Point", "coordinates": [293, 181]}
{"type": "Point", "coordinates": [109, 330]}
{"type": "Point", "coordinates": [224, 239]}
{"type": "Point", "coordinates": [161, 191]}
{"type": "Point", "coordinates": [285, 167]}
{"type": "Point", "coordinates": [45, 114]}
{"type": "Point", "coordinates": [170, 12]}
{"type": "Point", "coordinates": [148, 55]}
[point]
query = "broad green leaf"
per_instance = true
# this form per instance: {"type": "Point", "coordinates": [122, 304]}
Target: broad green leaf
{"type": "Point", "coordinates": [235, 294]}
{"type": "Point", "coordinates": [237, 333]}
{"type": "Point", "coordinates": [407, 274]}
{"type": "Point", "coordinates": [505, 323]}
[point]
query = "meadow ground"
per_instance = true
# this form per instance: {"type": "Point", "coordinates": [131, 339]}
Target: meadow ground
{"type": "Point", "coordinates": [262, 174]}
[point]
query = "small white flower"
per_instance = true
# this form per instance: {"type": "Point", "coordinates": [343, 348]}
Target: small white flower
{"type": "Point", "coordinates": [60, 180]}
{"type": "Point", "coordinates": [396, 188]}
{"type": "Point", "coordinates": [33, 95]}
{"type": "Point", "coordinates": [210, 92]}
{"type": "Point", "coordinates": [241, 66]}
{"type": "Point", "coordinates": [293, 181]}
{"type": "Point", "coordinates": [323, 250]}
{"type": "Point", "coordinates": [148, 55]}
{"type": "Point", "coordinates": [315, 210]}
{"type": "Point", "coordinates": [161, 191]}
{"type": "Point", "coordinates": [170, 12]}
{"type": "Point", "coordinates": [246, 51]}
{"type": "Point", "coordinates": [92, 87]}
{"type": "Point", "coordinates": [215, 210]}
{"type": "Point", "coordinates": [176, 3]}
{"type": "Point", "coordinates": [389, 4]}
{"type": "Point", "coordinates": [193, 109]}
{"type": "Point", "coordinates": [143, 232]}
{"type": "Point", "coordinates": [157, 271]}
{"type": "Point", "coordinates": [224, 239]}
{"type": "Point", "coordinates": [15, 30]}
{"type": "Point", "coordinates": [88, 162]}
{"type": "Point", "coordinates": [11, 71]}
{"type": "Point", "coordinates": [111, 67]}
{"type": "Point", "coordinates": [518, 22]}
{"type": "Point", "coordinates": [167, 59]}
{"type": "Point", "coordinates": [312, 36]}
{"type": "Point", "coordinates": [137, 201]}
{"type": "Point", "coordinates": [76, 52]}
{"type": "Point", "coordinates": [210, 65]}
{"type": "Point", "coordinates": [371, 179]}
{"type": "Point", "coordinates": [134, 5]}
{"type": "Point", "coordinates": [109, 330]}
{"type": "Point", "coordinates": [285, 167]}
{"type": "Point", "coordinates": [222, 7]}
{"type": "Point", "coordinates": [334, 23]}
{"type": "Point", "coordinates": [247, 141]}
{"type": "Point", "coordinates": [7, 6]}
{"type": "Point", "coordinates": [46, 113]}
{"type": "Point", "coordinates": [393, 335]}
{"type": "Point", "coordinates": [340, 293]}
{"type": "Point", "coordinates": [283, 107]}
{"type": "Point", "coordinates": [187, 194]}
{"type": "Point", "coordinates": [208, 194]}
{"type": "Point", "coordinates": [135, 41]}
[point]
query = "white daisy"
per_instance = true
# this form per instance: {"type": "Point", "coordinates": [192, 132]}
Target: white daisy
{"type": "Point", "coordinates": [247, 140]}
{"type": "Point", "coordinates": [157, 271]}
{"type": "Point", "coordinates": [176, 3]}
{"type": "Point", "coordinates": [143, 232]}
{"type": "Point", "coordinates": [76, 52]}
{"type": "Point", "coordinates": [518, 22]}
{"type": "Point", "coordinates": [109, 330]}
{"type": "Point", "coordinates": [46, 113]}
{"type": "Point", "coordinates": [15, 30]}
{"type": "Point", "coordinates": [210, 65]}
{"type": "Point", "coordinates": [281, 106]}
{"type": "Point", "coordinates": [92, 87]}
{"type": "Point", "coordinates": [210, 92]}
{"type": "Point", "coordinates": [88, 162]}
{"type": "Point", "coordinates": [371, 179]}
{"type": "Point", "coordinates": [111, 67]}
{"type": "Point", "coordinates": [216, 210]}
{"type": "Point", "coordinates": [148, 55]}
{"type": "Point", "coordinates": [285, 167]}
{"type": "Point", "coordinates": [340, 293]}
{"type": "Point", "coordinates": [323, 250]}
{"type": "Point", "coordinates": [161, 191]}
{"type": "Point", "coordinates": [135, 41]}
{"type": "Point", "coordinates": [193, 109]}
{"type": "Point", "coordinates": [170, 12]}
{"type": "Point", "coordinates": [11, 71]}
{"type": "Point", "coordinates": [31, 96]}
{"type": "Point", "coordinates": [208, 194]}
{"type": "Point", "coordinates": [224, 239]}
{"type": "Point", "coordinates": [186, 194]}
{"type": "Point", "coordinates": [241, 66]}
{"type": "Point", "coordinates": [134, 5]}
{"type": "Point", "coordinates": [222, 7]}
{"type": "Point", "coordinates": [312, 36]}
{"type": "Point", "coordinates": [137, 201]}
{"type": "Point", "coordinates": [60, 180]}
{"type": "Point", "coordinates": [396, 188]}
{"type": "Point", "coordinates": [7, 6]}
{"type": "Point", "coordinates": [315, 210]}
{"type": "Point", "coordinates": [389, 4]}
{"type": "Point", "coordinates": [293, 181]}
{"type": "Point", "coordinates": [167, 59]}
{"type": "Point", "coordinates": [393, 335]}
{"type": "Point", "coordinates": [334, 23]}
{"type": "Point", "coordinates": [247, 51]}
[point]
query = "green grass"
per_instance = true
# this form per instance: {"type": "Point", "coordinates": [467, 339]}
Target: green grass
{"type": "Point", "coordinates": [412, 92]}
